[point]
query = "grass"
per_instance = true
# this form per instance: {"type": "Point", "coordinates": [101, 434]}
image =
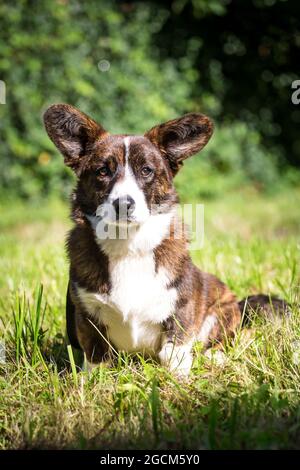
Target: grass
{"type": "Point", "coordinates": [253, 401]}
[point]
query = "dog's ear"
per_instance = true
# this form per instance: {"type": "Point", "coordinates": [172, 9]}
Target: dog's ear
{"type": "Point", "coordinates": [180, 138]}
{"type": "Point", "coordinates": [71, 131]}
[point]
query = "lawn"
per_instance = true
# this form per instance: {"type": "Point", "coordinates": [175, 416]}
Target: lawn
{"type": "Point", "coordinates": [252, 401]}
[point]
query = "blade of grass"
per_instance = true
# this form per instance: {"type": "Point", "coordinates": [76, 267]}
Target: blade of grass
{"type": "Point", "coordinates": [73, 365]}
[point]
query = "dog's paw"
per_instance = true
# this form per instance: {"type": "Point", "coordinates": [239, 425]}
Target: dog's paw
{"type": "Point", "coordinates": [216, 356]}
{"type": "Point", "coordinates": [89, 367]}
{"type": "Point", "coordinates": [177, 359]}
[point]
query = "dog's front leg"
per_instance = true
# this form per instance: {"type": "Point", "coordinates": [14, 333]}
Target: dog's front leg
{"type": "Point", "coordinates": [83, 333]}
{"type": "Point", "coordinates": [176, 348]}
{"type": "Point", "coordinates": [91, 338]}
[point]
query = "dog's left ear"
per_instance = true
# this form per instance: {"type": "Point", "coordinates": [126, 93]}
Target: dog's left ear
{"type": "Point", "coordinates": [181, 138]}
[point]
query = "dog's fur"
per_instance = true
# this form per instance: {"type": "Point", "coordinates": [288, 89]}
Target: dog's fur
{"type": "Point", "coordinates": [138, 293]}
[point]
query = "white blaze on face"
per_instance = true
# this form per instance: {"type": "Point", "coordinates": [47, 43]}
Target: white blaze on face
{"type": "Point", "coordinates": [145, 230]}
{"type": "Point", "coordinates": [128, 186]}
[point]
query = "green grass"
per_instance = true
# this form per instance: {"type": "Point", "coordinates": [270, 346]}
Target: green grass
{"type": "Point", "coordinates": [253, 401]}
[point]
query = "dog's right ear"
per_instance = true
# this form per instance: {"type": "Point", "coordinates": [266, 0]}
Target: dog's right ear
{"type": "Point", "coordinates": [71, 131]}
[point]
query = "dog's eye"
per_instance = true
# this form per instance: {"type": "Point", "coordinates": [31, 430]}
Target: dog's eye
{"type": "Point", "coordinates": [103, 171]}
{"type": "Point", "coordinates": [146, 171]}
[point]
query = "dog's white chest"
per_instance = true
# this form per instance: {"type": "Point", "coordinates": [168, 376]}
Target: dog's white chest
{"type": "Point", "coordinates": [138, 303]}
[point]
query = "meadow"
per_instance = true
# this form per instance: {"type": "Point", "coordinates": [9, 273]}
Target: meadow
{"type": "Point", "coordinates": [131, 65]}
{"type": "Point", "coordinates": [251, 401]}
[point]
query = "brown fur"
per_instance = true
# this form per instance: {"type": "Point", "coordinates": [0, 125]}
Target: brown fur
{"type": "Point", "coordinates": [87, 147]}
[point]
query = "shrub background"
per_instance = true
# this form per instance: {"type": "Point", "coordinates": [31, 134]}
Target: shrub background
{"type": "Point", "coordinates": [233, 60]}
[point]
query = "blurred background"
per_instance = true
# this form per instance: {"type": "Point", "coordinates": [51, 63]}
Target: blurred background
{"type": "Point", "coordinates": [133, 64]}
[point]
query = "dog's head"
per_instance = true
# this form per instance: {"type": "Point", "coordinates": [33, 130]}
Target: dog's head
{"type": "Point", "coordinates": [121, 177]}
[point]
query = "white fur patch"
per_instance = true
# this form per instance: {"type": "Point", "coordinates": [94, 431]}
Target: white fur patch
{"type": "Point", "coordinates": [137, 305]}
{"type": "Point", "coordinates": [216, 356]}
{"type": "Point", "coordinates": [126, 143]}
{"type": "Point", "coordinates": [177, 359]}
{"type": "Point", "coordinates": [140, 239]}
{"type": "Point", "coordinates": [206, 328]}
{"type": "Point", "coordinates": [127, 186]}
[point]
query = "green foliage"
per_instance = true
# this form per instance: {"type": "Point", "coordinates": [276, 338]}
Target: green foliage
{"type": "Point", "coordinates": [247, 61]}
{"type": "Point", "coordinates": [131, 65]}
{"type": "Point", "coordinates": [234, 157]}
{"type": "Point", "coordinates": [52, 52]}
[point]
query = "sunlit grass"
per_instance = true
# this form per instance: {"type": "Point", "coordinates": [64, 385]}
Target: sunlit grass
{"type": "Point", "coordinates": [253, 401]}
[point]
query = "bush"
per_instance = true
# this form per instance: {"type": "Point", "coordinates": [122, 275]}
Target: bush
{"type": "Point", "coordinates": [107, 60]}
{"type": "Point", "coordinates": [52, 52]}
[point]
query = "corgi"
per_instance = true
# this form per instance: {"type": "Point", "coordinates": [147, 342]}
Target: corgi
{"type": "Point", "coordinates": [133, 286]}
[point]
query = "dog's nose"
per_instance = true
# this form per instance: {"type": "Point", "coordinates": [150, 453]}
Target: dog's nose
{"type": "Point", "coordinates": [124, 206]}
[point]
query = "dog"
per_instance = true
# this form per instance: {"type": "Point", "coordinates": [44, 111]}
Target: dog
{"type": "Point", "coordinates": [139, 292]}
